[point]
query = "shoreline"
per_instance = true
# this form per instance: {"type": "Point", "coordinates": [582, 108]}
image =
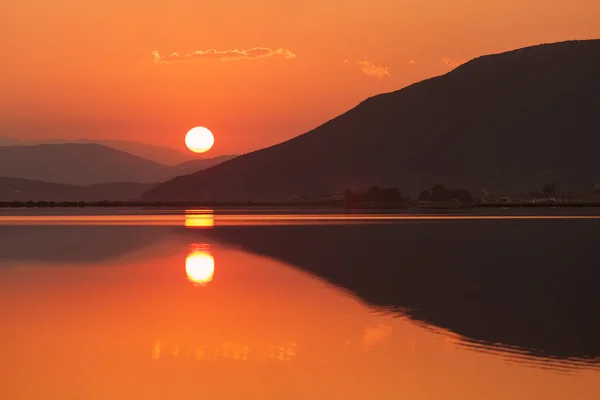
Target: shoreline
{"type": "Point", "coordinates": [296, 205]}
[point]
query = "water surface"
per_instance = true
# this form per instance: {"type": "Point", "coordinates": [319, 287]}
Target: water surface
{"type": "Point", "coordinates": [265, 305]}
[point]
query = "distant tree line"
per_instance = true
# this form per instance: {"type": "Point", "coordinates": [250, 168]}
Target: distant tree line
{"type": "Point", "coordinates": [440, 194]}
{"type": "Point", "coordinates": [153, 204]}
{"type": "Point", "coordinates": [373, 195]}
{"type": "Point", "coordinates": [548, 192]}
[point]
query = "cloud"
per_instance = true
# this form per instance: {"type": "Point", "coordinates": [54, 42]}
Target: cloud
{"type": "Point", "coordinates": [223, 55]}
{"type": "Point", "coordinates": [412, 62]}
{"type": "Point", "coordinates": [449, 62]}
{"type": "Point", "coordinates": [373, 70]}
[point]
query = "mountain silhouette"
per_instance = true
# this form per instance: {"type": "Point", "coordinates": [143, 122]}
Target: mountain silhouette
{"type": "Point", "coordinates": [192, 166]}
{"type": "Point", "coordinates": [523, 285]}
{"type": "Point", "coordinates": [88, 164]}
{"type": "Point", "coordinates": [160, 154]}
{"type": "Point", "coordinates": [77, 164]}
{"type": "Point", "coordinates": [16, 189]}
{"type": "Point", "coordinates": [510, 121]}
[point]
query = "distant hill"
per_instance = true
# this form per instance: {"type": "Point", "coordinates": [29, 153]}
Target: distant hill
{"type": "Point", "coordinates": [16, 189]}
{"type": "Point", "coordinates": [160, 154]}
{"type": "Point", "coordinates": [192, 166]}
{"type": "Point", "coordinates": [88, 164]}
{"type": "Point", "coordinates": [78, 164]}
{"type": "Point", "coordinates": [8, 141]}
{"type": "Point", "coordinates": [514, 120]}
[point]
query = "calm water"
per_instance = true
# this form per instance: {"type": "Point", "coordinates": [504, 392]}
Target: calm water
{"type": "Point", "coordinates": [280, 305]}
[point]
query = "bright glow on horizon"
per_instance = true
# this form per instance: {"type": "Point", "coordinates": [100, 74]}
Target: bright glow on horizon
{"type": "Point", "coordinates": [199, 219]}
{"type": "Point", "coordinates": [199, 139]}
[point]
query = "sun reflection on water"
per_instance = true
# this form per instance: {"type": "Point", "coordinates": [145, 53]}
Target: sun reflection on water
{"type": "Point", "coordinates": [226, 350]}
{"type": "Point", "coordinates": [200, 267]}
{"type": "Point", "coordinates": [199, 219]}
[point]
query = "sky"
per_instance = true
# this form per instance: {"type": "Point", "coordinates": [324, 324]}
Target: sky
{"type": "Point", "coordinates": [255, 73]}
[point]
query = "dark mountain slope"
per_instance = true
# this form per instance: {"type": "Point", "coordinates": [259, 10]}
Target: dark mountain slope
{"type": "Point", "coordinates": [509, 121]}
{"type": "Point", "coordinates": [189, 167]}
{"type": "Point", "coordinates": [16, 189]}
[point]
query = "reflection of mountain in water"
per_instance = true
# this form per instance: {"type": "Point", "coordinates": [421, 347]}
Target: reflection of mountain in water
{"type": "Point", "coordinates": [74, 243]}
{"type": "Point", "coordinates": [529, 284]}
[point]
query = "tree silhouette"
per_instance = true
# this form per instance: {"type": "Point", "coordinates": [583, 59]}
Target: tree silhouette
{"type": "Point", "coordinates": [550, 190]}
{"type": "Point", "coordinates": [393, 195]}
{"type": "Point", "coordinates": [374, 194]}
{"type": "Point", "coordinates": [439, 193]}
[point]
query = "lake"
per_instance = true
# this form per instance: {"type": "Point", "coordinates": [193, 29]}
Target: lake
{"type": "Point", "coordinates": [281, 304]}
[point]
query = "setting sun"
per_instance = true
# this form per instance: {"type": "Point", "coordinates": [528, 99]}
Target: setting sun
{"type": "Point", "coordinates": [270, 137]}
{"type": "Point", "coordinates": [199, 139]}
{"type": "Point", "coordinates": [200, 267]}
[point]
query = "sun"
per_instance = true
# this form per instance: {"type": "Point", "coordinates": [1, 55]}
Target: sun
{"type": "Point", "coordinates": [200, 267]}
{"type": "Point", "coordinates": [199, 139]}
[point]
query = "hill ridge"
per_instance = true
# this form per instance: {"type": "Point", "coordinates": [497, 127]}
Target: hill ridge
{"type": "Point", "coordinates": [483, 124]}
{"type": "Point", "coordinates": [157, 153]}
{"type": "Point", "coordinates": [89, 163]}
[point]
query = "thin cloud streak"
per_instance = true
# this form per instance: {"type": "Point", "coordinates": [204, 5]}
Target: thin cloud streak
{"type": "Point", "coordinates": [373, 70]}
{"type": "Point", "coordinates": [449, 62]}
{"type": "Point", "coordinates": [223, 55]}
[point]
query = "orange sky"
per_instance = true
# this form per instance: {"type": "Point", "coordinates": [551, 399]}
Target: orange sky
{"type": "Point", "coordinates": [76, 69]}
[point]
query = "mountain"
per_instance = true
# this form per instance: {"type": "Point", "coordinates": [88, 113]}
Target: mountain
{"type": "Point", "coordinates": [8, 141]}
{"type": "Point", "coordinates": [510, 286]}
{"type": "Point", "coordinates": [77, 164]}
{"type": "Point", "coordinates": [88, 164]}
{"type": "Point", "coordinates": [189, 167]}
{"type": "Point", "coordinates": [16, 189]}
{"type": "Point", "coordinates": [515, 120]}
{"type": "Point", "coordinates": [160, 154]}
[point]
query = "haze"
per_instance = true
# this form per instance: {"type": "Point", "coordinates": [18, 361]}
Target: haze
{"type": "Point", "coordinates": [106, 70]}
